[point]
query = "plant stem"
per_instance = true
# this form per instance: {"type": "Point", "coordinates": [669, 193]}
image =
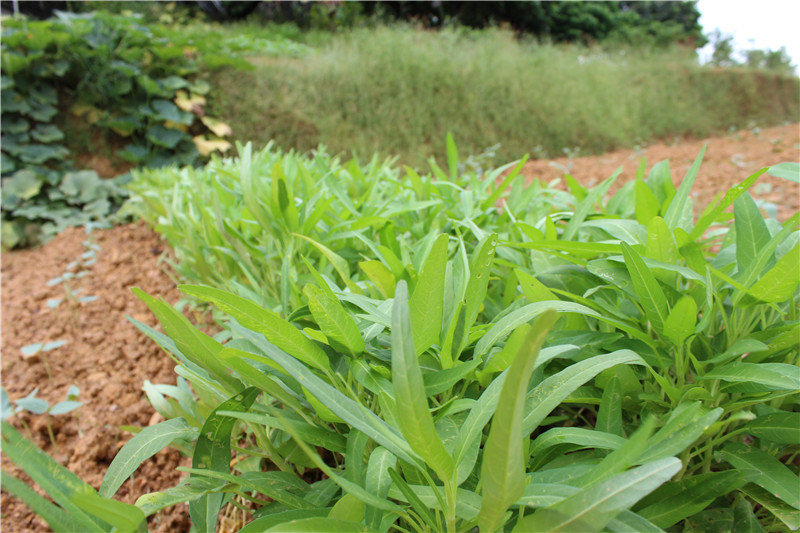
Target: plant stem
{"type": "Point", "coordinates": [450, 494]}
{"type": "Point", "coordinates": [50, 432]}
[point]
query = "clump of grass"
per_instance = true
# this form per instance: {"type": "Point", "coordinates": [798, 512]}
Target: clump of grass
{"type": "Point", "coordinates": [398, 90]}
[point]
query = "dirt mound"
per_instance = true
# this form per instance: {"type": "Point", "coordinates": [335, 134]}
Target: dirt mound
{"type": "Point", "coordinates": [727, 161]}
{"type": "Point", "coordinates": [109, 359]}
{"type": "Point", "coordinates": [104, 355]}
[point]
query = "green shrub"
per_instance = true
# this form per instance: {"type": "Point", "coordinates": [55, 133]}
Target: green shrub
{"type": "Point", "coordinates": [109, 82]}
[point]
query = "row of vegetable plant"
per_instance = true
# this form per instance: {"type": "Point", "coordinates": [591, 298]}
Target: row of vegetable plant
{"type": "Point", "coordinates": [446, 351]}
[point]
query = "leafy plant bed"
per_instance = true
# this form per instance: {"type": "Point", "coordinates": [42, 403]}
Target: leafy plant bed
{"type": "Point", "coordinates": [113, 246]}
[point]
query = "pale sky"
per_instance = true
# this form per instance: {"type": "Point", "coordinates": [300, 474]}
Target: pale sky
{"type": "Point", "coordinates": [754, 24]}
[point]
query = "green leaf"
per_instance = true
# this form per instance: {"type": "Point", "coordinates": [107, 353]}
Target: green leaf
{"type": "Point", "coordinates": [348, 508]}
{"type": "Point", "coordinates": [165, 137]}
{"type": "Point", "coordinates": [647, 205]}
{"type": "Point", "coordinates": [335, 322]}
{"type": "Point", "coordinates": [467, 502]}
{"type": "Point", "coordinates": [660, 242]}
{"type": "Point", "coordinates": [625, 230]}
{"type": "Point", "coordinates": [651, 297]}
{"type": "Point", "coordinates": [609, 414]}
{"type": "Point", "coordinates": [775, 476]}
{"type": "Point", "coordinates": [345, 408]}
{"type": "Point", "coordinates": [443, 380]}
{"type": "Point", "coordinates": [784, 512]}
{"type": "Point", "coordinates": [339, 263]}
{"type": "Point", "coordinates": [685, 424]}
{"type": "Point", "coordinates": [586, 205]}
{"type": "Point", "coordinates": [213, 452]}
{"type": "Point", "coordinates": [349, 487]}
{"type": "Point", "coordinates": [533, 289]}
{"type": "Point", "coordinates": [83, 186]}
{"type": "Point", "coordinates": [23, 184]}
{"type": "Point", "coordinates": [551, 392]}
{"type": "Point", "coordinates": [783, 377]}
{"type": "Point", "coordinates": [378, 482]}
{"type": "Point", "coordinates": [167, 110]}
{"type": "Point", "coordinates": [676, 501]}
{"type": "Point", "coordinates": [781, 427]}
{"type": "Point", "coordinates": [681, 320]}
{"type": "Point", "coordinates": [580, 436]}
{"type": "Point", "coordinates": [620, 459]}
{"type": "Point", "coordinates": [710, 215]}
{"type": "Point", "coordinates": [591, 509]}
{"type": "Point", "coordinates": [503, 359]}
{"type": "Point", "coordinates": [515, 319]}
{"type": "Point", "coordinates": [789, 171]}
{"type": "Point", "coordinates": [503, 470]}
{"type": "Point", "coordinates": [197, 347]}
{"type": "Point", "coordinates": [679, 212]}
{"type": "Point", "coordinates": [124, 517]}
{"type": "Point", "coordinates": [133, 153]}
{"type": "Point", "coordinates": [329, 525]}
{"type": "Point", "coordinates": [426, 303]}
{"type": "Point", "coordinates": [452, 158]}
{"type": "Point", "coordinates": [47, 133]}
{"type": "Point", "coordinates": [780, 282]}
{"type": "Point", "coordinates": [58, 520]}
{"type": "Point", "coordinates": [416, 423]}
{"type": "Point", "coordinates": [744, 520]}
{"type": "Point", "coordinates": [277, 330]}
{"type": "Point", "coordinates": [752, 234]}
{"type": "Point", "coordinates": [381, 276]}
{"type": "Point", "coordinates": [141, 447]}
{"type": "Point", "coordinates": [59, 483]}
{"type": "Point", "coordinates": [263, 523]}
{"type": "Point", "coordinates": [480, 269]}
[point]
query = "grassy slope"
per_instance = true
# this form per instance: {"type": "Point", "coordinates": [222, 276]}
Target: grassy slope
{"type": "Point", "coordinates": [399, 91]}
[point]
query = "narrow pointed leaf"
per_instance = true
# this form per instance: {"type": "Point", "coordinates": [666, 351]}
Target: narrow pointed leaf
{"type": "Point", "coordinates": [651, 297]}
{"type": "Point", "coordinates": [591, 509]}
{"type": "Point", "coordinates": [679, 212]}
{"type": "Point", "coordinates": [752, 234]}
{"type": "Point", "coordinates": [416, 422]}
{"type": "Point", "coordinates": [141, 447]}
{"type": "Point", "coordinates": [335, 322]}
{"type": "Point", "coordinates": [503, 473]}
{"type": "Point", "coordinates": [277, 330]}
{"type": "Point", "coordinates": [427, 301]}
{"type": "Point", "coordinates": [775, 476]}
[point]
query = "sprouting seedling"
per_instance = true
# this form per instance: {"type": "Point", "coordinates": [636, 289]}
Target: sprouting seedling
{"type": "Point", "coordinates": [75, 270]}
{"type": "Point", "coordinates": [41, 348]}
{"type": "Point", "coordinates": [38, 406]}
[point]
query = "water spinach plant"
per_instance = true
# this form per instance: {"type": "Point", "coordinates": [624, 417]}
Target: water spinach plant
{"type": "Point", "coordinates": [449, 351]}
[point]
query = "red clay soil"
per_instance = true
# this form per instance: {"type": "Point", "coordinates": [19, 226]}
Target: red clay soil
{"type": "Point", "coordinates": [105, 356]}
{"type": "Point", "coordinates": [728, 161]}
{"type": "Point", "coordinates": [109, 359]}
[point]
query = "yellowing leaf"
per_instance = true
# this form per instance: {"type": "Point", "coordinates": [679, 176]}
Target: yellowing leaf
{"type": "Point", "coordinates": [219, 128]}
{"type": "Point", "coordinates": [193, 104]}
{"type": "Point", "coordinates": [80, 109]}
{"type": "Point", "coordinates": [205, 146]}
{"type": "Point", "coordinates": [175, 126]}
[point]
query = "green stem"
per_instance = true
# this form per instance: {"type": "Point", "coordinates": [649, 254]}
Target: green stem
{"type": "Point", "coordinates": [52, 435]}
{"type": "Point", "coordinates": [264, 443]}
{"type": "Point", "coordinates": [450, 494]}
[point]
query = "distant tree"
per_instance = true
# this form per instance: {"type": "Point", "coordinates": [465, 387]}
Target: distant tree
{"type": "Point", "coordinates": [723, 49]}
{"type": "Point", "coordinates": [654, 22]}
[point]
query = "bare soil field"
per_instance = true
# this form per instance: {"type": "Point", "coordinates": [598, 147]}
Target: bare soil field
{"type": "Point", "coordinates": [109, 359]}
